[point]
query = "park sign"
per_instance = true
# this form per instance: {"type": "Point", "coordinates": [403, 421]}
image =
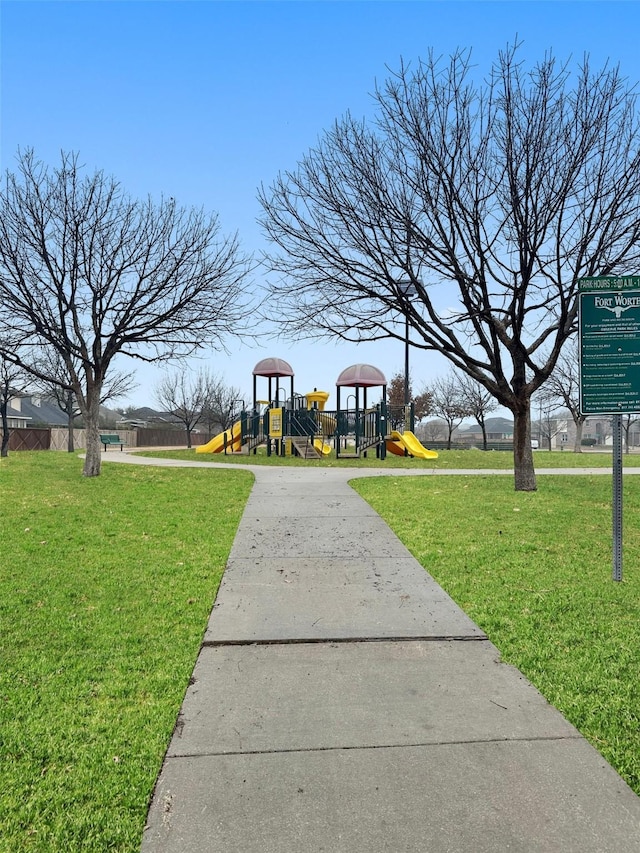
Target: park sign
{"type": "Point", "coordinates": [609, 322]}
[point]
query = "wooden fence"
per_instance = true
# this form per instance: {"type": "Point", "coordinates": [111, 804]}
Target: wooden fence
{"type": "Point", "coordinates": [60, 437]}
{"type": "Point", "coordinates": [30, 439]}
{"type": "Point", "coordinates": [150, 437]}
{"type": "Point", "coordinates": [56, 438]}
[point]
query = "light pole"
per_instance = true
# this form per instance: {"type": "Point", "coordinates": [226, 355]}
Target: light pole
{"type": "Point", "coordinates": [408, 291]}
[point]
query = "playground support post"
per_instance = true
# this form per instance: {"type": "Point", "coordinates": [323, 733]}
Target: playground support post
{"type": "Point", "coordinates": [382, 430]}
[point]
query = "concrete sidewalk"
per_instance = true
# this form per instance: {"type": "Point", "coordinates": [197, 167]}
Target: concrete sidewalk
{"type": "Point", "coordinates": [341, 702]}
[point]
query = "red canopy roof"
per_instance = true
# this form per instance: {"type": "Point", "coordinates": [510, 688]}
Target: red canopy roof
{"type": "Point", "coordinates": [361, 376]}
{"type": "Point", "coordinates": [273, 367]}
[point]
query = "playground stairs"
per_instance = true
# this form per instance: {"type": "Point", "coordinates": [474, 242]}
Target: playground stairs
{"type": "Point", "coordinates": [304, 448]}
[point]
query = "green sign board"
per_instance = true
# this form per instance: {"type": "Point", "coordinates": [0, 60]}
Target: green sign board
{"type": "Point", "coordinates": [609, 316]}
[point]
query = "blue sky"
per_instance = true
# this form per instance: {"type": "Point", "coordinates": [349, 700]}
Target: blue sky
{"type": "Point", "coordinates": [204, 101]}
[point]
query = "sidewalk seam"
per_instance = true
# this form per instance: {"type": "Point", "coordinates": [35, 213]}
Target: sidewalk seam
{"type": "Point", "coordinates": [317, 640]}
{"type": "Point", "coordinates": [239, 753]}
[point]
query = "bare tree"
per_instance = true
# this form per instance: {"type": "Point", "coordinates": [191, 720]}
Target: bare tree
{"type": "Point", "coordinates": [12, 379]}
{"type": "Point", "coordinates": [395, 391]}
{"type": "Point", "coordinates": [550, 424]}
{"type": "Point", "coordinates": [184, 398]}
{"type": "Point", "coordinates": [449, 404]}
{"type": "Point", "coordinates": [93, 274]}
{"type": "Point", "coordinates": [628, 421]}
{"type": "Point", "coordinates": [434, 430]}
{"type": "Point", "coordinates": [478, 402]}
{"type": "Point", "coordinates": [564, 383]}
{"type": "Point", "coordinates": [395, 401]}
{"type": "Point", "coordinates": [224, 404]}
{"type": "Point", "coordinates": [491, 198]}
{"type": "Point", "coordinates": [604, 430]}
{"type": "Point", "coordinates": [5, 396]}
{"type": "Point", "coordinates": [59, 386]}
{"type": "Point", "coordinates": [423, 404]}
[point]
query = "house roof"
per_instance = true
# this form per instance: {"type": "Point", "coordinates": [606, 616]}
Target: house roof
{"type": "Point", "coordinates": [146, 415]}
{"type": "Point", "coordinates": [15, 414]}
{"type": "Point", "coordinates": [40, 409]}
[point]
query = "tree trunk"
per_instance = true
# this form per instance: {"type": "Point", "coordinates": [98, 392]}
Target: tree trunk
{"type": "Point", "coordinates": [484, 435]}
{"type": "Point", "coordinates": [6, 432]}
{"type": "Point", "coordinates": [577, 446]}
{"type": "Point", "coordinates": [188, 439]}
{"type": "Point", "coordinates": [93, 459]}
{"type": "Point", "coordinates": [4, 405]}
{"type": "Point", "coordinates": [525, 475]}
{"type": "Point", "coordinates": [70, 447]}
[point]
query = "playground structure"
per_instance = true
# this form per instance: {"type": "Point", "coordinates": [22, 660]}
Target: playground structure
{"type": "Point", "coordinates": [298, 424]}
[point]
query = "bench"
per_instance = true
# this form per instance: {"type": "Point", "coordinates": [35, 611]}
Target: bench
{"type": "Point", "coordinates": [112, 439]}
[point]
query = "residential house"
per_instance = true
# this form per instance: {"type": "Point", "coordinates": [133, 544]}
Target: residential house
{"type": "Point", "coordinates": [41, 410]}
{"type": "Point", "coordinates": [597, 431]}
{"type": "Point", "coordinates": [37, 410]}
{"type": "Point", "coordinates": [557, 430]}
{"type": "Point", "coordinates": [16, 419]}
{"type": "Point", "coordinates": [145, 416]}
{"type": "Point", "coordinates": [498, 430]}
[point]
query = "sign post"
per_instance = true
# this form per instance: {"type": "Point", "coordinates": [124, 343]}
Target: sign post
{"type": "Point", "coordinates": [609, 322]}
{"type": "Point", "coordinates": [617, 497]}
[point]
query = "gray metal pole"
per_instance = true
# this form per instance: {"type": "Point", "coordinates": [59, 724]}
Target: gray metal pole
{"type": "Point", "coordinates": [406, 362]}
{"type": "Point", "coordinates": [617, 497]}
{"type": "Point", "coordinates": [408, 290]}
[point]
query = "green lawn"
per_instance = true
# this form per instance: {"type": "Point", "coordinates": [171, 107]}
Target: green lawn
{"type": "Point", "coordinates": [447, 459]}
{"type": "Point", "coordinates": [107, 584]}
{"type": "Point", "coordinates": [533, 569]}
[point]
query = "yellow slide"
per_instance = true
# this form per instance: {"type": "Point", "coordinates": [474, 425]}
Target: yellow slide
{"type": "Point", "coordinates": [322, 446]}
{"type": "Point", "coordinates": [216, 445]}
{"type": "Point", "coordinates": [401, 441]}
